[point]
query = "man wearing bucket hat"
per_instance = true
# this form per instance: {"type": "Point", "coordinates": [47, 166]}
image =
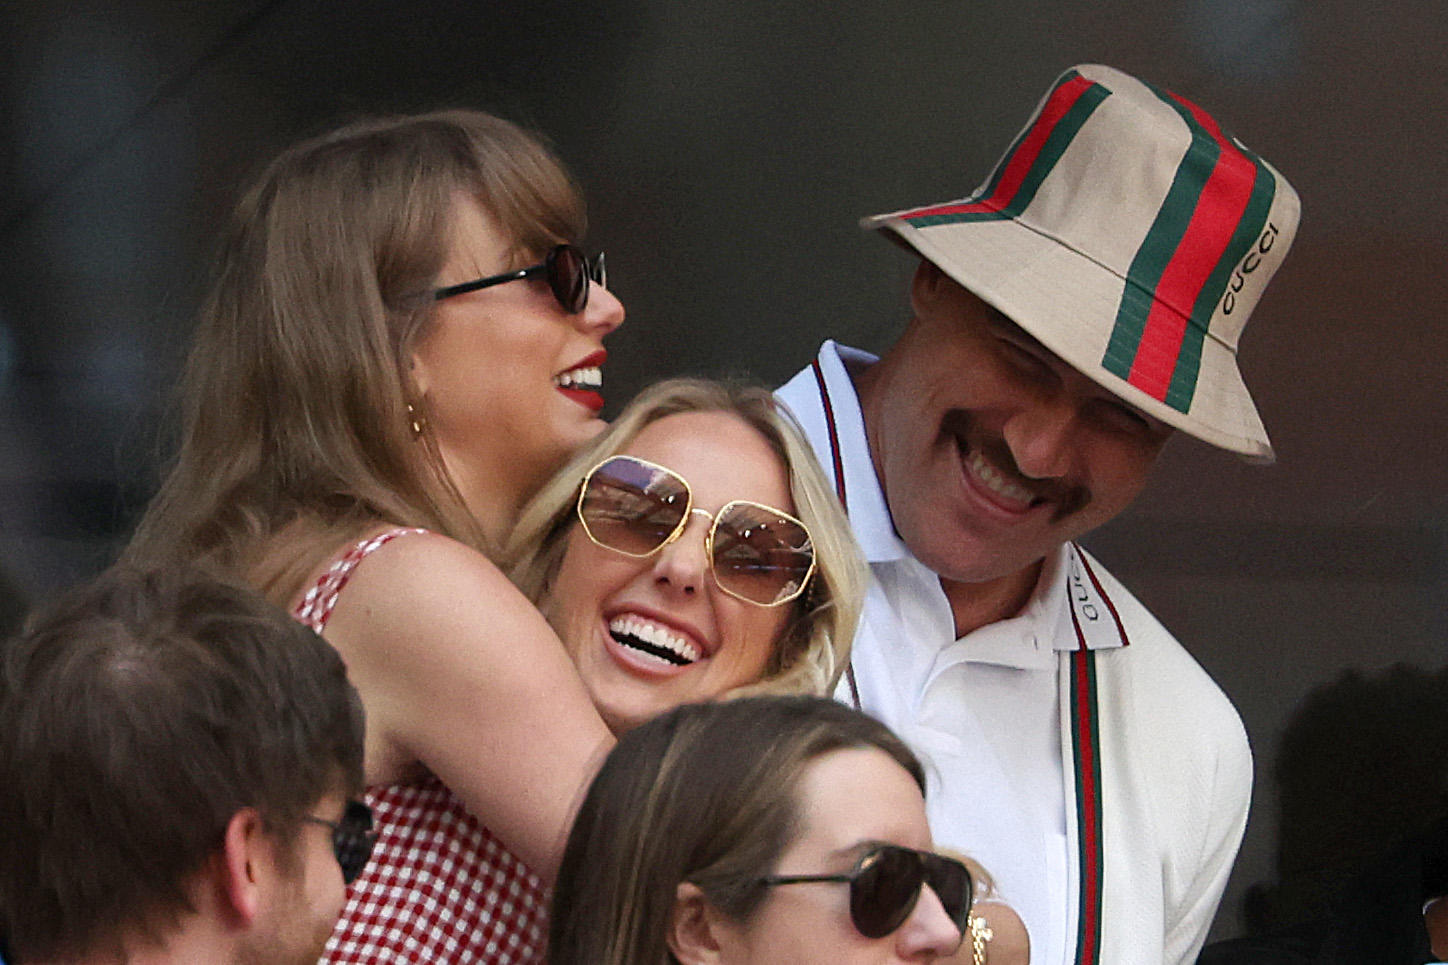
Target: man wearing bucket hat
{"type": "Point", "coordinates": [1082, 304]}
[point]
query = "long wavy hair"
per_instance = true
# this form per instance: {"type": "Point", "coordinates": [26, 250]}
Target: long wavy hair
{"type": "Point", "coordinates": [814, 649]}
{"type": "Point", "coordinates": [296, 432]}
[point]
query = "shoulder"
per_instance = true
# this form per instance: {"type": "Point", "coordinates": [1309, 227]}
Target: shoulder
{"type": "Point", "coordinates": [424, 585]}
{"type": "Point", "coordinates": [1167, 690]}
{"type": "Point", "coordinates": [424, 562]}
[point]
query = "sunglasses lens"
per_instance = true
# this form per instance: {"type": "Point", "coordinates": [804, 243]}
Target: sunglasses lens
{"type": "Point", "coordinates": [760, 554]}
{"type": "Point", "coordinates": [950, 880]}
{"type": "Point", "coordinates": [568, 277]}
{"type": "Point", "coordinates": [885, 890]}
{"type": "Point", "coordinates": [353, 839]}
{"type": "Point", "coordinates": [632, 507]}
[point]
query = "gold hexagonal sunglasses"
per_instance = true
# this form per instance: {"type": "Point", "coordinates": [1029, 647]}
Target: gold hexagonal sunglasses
{"type": "Point", "coordinates": [757, 553]}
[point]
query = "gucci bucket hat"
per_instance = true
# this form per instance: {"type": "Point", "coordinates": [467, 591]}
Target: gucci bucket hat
{"type": "Point", "coordinates": [1131, 235]}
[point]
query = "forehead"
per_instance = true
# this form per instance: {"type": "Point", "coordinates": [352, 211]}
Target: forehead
{"type": "Point", "coordinates": [856, 795]}
{"type": "Point", "coordinates": [720, 455]}
{"type": "Point", "coordinates": [477, 240]}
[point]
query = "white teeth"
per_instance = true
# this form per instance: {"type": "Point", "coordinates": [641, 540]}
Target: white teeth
{"type": "Point", "coordinates": [589, 378]}
{"type": "Point", "coordinates": [996, 482]}
{"type": "Point", "coordinates": [654, 634]}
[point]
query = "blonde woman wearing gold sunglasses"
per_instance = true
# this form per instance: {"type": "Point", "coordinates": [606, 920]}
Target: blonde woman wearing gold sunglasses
{"type": "Point", "coordinates": [693, 550]}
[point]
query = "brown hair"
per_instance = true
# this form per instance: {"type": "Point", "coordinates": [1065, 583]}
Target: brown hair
{"type": "Point", "coordinates": [705, 794]}
{"type": "Point", "coordinates": [137, 716]}
{"type": "Point", "coordinates": [814, 649]}
{"type": "Point", "coordinates": [296, 431]}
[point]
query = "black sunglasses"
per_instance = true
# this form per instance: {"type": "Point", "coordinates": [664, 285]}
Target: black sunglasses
{"type": "Point", "coordinates": [352, 838]}
{"type": "Point", "coordinates": [566, 267]}
{"type": "Point", "coordinates": [885, 885]}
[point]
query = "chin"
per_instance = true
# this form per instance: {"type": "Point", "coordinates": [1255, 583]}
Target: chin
{"type": "Point", "coordinates": [621, 723]}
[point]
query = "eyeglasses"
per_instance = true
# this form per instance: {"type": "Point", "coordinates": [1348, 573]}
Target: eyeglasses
{"type": "Point", "coordinates": [566, 267]}
{"type": "Point", "coordinates": [885, 885]}
{"type": "Point", "coordinates": [757, 554]}
{"type": "Point", "coordinates": [352, 838]}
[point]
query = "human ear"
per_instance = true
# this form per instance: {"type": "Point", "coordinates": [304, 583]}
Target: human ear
{"type": "Point", "coordinates": [417, 374]}
{"type": "Point", "coordinates": [693, 928]}
{"type": "Point", "coordinates": [926, 285]}
{"type": "Point", "coordinates": [245, 850]}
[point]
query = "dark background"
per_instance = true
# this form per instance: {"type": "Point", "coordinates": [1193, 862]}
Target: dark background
{"type": "Point", "coordinates": [728, 149]}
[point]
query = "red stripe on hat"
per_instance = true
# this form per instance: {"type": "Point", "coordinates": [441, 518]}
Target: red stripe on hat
{"type": "Point", "coordinates": [1219, 209]}
{"type": "Point", "coordinates": [1057, 106]}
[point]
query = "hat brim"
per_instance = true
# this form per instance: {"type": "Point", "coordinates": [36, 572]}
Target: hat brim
{"type": "Point", "coordinates": [1067, 301]}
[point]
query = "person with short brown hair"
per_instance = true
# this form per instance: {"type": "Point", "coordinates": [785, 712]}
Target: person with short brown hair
{"type": "Point", "coordinates": [176, 759]}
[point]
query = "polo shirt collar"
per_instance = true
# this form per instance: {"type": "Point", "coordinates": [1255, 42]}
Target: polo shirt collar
{"type": "Point", "coordinates": [865, 500]}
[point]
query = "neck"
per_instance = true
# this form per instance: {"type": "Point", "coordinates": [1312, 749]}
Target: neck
{"type": "Point", "coordinates": [493, 494]}
{"type": "Point", "coordinates": [195, 941]}
{"type": "Point", "coordinates": [974, 605]}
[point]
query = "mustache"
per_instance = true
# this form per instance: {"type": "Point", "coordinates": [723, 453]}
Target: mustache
{"type": "Point", "coordinates": [1065, 498]}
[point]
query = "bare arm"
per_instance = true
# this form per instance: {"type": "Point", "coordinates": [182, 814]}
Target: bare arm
{"type": "Point", "coordinates": [458, 671]}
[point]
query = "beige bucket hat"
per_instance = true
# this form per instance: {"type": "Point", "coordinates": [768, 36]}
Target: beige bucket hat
{"type": "Point", "coordinates": [1132, 236]}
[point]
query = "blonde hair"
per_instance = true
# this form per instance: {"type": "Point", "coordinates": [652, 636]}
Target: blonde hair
{"type": "Point", "coordinates": [296, 425]}
{"type": "Point", "coordinates": [814, 649]}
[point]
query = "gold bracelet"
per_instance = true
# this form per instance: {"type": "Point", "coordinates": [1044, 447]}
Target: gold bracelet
{"type": "Point", "coordinates": [980, 933]}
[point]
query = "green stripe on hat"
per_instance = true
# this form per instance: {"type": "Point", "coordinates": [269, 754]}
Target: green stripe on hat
{"type": "Point", "coordinates": [1218, 187]}
{"type": "Point", "coordinates": [1037, 151]}
{"type": "Point", "coordinates": [1249, 228]}
{"type": "Point", "coordinates": [1155, 253]}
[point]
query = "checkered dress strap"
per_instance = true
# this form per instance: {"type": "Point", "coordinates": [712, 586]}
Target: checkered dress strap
{"type": "Point", "coordinates": [440, 888]}
{"type": "Point", "coordinates": [316, 607]}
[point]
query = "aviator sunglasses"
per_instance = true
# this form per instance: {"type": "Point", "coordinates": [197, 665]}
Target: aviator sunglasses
{"type": "Point", "coordinates": [566, 267]}
{"type": "Point", "coordinates": [757, 554]}
{"type": "Point", "coordinates": [352, 838]}
{"type": "Point", "coordinates": [885, 885]}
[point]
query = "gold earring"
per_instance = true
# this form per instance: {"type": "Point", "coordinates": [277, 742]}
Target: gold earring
{"type": "Point", "coordinates": [419, 422]}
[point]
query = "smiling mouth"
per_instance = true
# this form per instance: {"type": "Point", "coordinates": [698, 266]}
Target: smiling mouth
{"type": "Point", "coordinates": [989, 465]}
{"type": "Point", "coordinates": [588, 378]}
{"type": "Point", "coordinates": [996, 482]}
{"type": "Point", "coordinates": [654, 639]}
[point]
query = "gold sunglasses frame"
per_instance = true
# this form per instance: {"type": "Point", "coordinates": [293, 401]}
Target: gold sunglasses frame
{"type": "Point", "coordinates": [683, 524]}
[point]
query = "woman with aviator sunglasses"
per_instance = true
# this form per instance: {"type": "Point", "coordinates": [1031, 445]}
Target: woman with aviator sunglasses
{"type": "Point", "coordinates": [691, 551]}
{"type": "Point", "coordinates": [401, 344]}
{"type": "Point", "coordinates": [760, 830]}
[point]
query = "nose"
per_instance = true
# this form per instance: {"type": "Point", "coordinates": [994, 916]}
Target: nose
{"type": "Point", "coordinates": [603, 313]}
{"type": "Point", "coordinates": [928, 933]}
{"type": "Point", "coordinates": [1041, 436]}
{"type": "Point", "coordinates": [680, 567]}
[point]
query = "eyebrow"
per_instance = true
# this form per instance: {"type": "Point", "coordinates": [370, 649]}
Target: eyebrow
{"type": "Point", "coordinates": [854, 850]}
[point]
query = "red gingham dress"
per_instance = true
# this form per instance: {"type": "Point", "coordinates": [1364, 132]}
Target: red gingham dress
{"type": "Point", "coordinates": [439, 888]}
